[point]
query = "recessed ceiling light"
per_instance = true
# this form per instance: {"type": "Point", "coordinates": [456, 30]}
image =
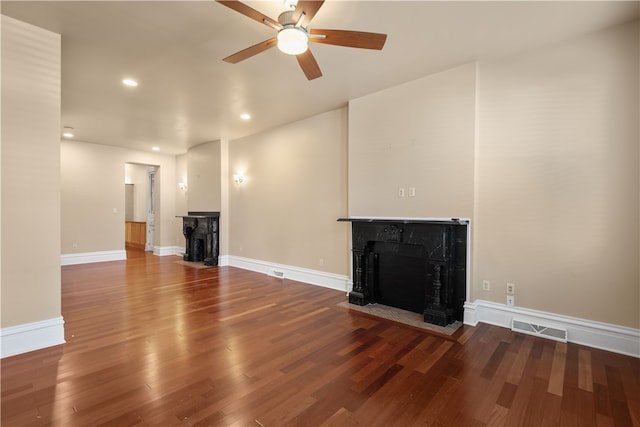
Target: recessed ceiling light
{"type": "Point", "coordinates": [67, 132]}
{"type": "Point", "coordinates": [155, 148]}
{"type": "Point", "coordinates": [130, 82]}
{"type": "Point", "coordinates": [245, 116]}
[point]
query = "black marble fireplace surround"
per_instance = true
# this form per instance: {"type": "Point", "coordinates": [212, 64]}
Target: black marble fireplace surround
{"type": "Point", "coordinates": [416, 265]}
{"type": "Point", "coordinates": [200, 230]}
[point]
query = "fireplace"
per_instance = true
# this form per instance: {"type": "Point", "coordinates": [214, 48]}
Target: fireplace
{"type": "Point", "coordinates": [200, 230]}
{"type": "Point", "coordinates": [412, 264]}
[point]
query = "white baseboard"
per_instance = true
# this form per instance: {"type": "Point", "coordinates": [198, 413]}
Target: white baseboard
{"type": "Point", "coordinates": [31, 336]}
{"type": "Point", "coordinates": [88, 257]}
{"type": "Point", "coordinates": [119, 255]}
{"type": "Point", "coordinates": [312, 277]}
{"type": "Point", "coordinates": [605, 336]}
{"type": "Point", "coordinates": [167, 250]}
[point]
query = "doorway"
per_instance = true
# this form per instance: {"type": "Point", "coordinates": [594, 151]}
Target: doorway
{"type": "Point", "coordinates": [151, 211]}
{"type": "Point", "coordinates": [140, 205]}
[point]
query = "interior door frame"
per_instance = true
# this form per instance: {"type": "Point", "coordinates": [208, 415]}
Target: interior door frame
{"type": "Point", "coordinates": [151, 191]}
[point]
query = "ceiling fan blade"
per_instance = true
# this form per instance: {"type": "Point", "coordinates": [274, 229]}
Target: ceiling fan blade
{"type": "Point", "coordinates": [250, 12]}
{"type": "Point", "coordinates": [309, 7]}
{"type": "Point", "coordinates": [251, 51]}
{"type": "Point", "coordinates": [359, 39]}
{"type": "Point", "coordinates": [309, 65]}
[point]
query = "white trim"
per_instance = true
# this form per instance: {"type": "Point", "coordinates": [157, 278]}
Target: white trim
{"type": "Point", "coordinates": [605, 336]}
{"type": "Point", "coordinates": [167, 250]}
{"type": "Point", "coordinates": [88, 257]}
{"type": "Point", "coordinates": [31, 336]}
{"type": "Point", "coordinates": [467, 266]}
{"type": "Point", "coordinates": [312, 277]}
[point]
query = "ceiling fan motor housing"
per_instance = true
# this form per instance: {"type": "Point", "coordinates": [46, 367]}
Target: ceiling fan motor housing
{"type": "Point", "coordinates": [286, 18]}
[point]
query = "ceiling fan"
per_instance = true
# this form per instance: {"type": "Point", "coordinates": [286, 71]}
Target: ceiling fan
{"type": "Point", "coordinates": [294, 34]}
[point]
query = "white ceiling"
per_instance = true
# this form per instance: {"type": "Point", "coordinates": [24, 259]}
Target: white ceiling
{"type": "Point", "coordinates": [188, 95]}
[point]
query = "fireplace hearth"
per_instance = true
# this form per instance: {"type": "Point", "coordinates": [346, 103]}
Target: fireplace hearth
{"type": "Point", "coordinates": [412, 264]}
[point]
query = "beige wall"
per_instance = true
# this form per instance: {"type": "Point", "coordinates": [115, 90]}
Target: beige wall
{"type": "Point", "coordinates": [295, 189]}
{"type": "Point", "coordinates": [181, 198]}
{"type": "Point", "coordinates": [92, 190]}
{"type": "Point", "coordinates": [544, 159]}
{"type": "Point", "coordinates": [558, 186]}
{"type": "Point", "coordinates": [30, 179]}
{"type": "Point", "coordinates": [419, 134]}
{"type": "Point", "coordinates": [225, 180]}
{"type": "Point", "coordinates": [203, 172]}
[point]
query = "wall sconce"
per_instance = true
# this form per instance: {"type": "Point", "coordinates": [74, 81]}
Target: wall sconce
{"type": "Point", "coordinates": [182, 186]}
{"type": "Point", "coordinates": [67, 132]}
{"type": "Point", "coordinates": [238, 178]}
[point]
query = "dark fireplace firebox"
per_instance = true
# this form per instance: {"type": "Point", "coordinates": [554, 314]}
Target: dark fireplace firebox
{"type": "Point", "coordinates": [200, 230]}
{"type": "Point", "coordinates": [416, 265]}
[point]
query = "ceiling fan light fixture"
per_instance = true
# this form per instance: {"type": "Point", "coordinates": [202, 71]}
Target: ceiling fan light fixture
{"type": "Point", "coordinates": [293, 40]}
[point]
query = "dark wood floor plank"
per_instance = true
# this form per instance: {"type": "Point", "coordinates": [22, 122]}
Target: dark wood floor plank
{"type": "Point", "coordinates": [552, 408]}
{"type": "Point", "coordinates": [617, 397]}
{"type": "Point", "coordinates": [494, 362]}
{"type": "Point", "coordinates": [151, 341]}
{"type": "Point", "coordinates": [507, 392]}
{"type": "Point", "coordinates": [442, 401]}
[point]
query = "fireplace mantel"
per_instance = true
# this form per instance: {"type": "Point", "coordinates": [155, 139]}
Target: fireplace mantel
{"type": "Point", "coordinates": [417, 264]}
{"type": "Point", "coordinates": [404, 220]}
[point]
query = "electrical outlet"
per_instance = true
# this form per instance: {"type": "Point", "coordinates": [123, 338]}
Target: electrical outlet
{"type": "Point", "coordinates": [511, 288]}
{"type": "Point", "coordinates": [412, 191]}
{"type": "Point", "coordinates": [486, 285]}
{"type": "Point", "coordinates": [511, 300]}
{"type": "Point", "coordinates": [401, 192]}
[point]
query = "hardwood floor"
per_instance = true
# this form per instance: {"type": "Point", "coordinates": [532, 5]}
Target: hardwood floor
{"type": "Point", "coordinates": [153, 342]}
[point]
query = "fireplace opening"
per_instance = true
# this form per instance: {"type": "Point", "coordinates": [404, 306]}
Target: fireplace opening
{"type": "Point", "coordinates": [197, 248]}
{"type": "Point", "coordinates": [399, 274]}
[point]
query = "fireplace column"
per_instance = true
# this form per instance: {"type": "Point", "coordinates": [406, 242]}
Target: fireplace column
{"type": "Point", "coordinates": [437, 312]}
{"type": "Point", "coordinates": [359, 294]}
